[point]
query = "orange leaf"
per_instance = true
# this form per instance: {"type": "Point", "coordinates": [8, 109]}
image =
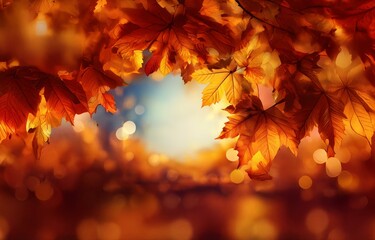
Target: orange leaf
{"type": "Point", "coordinates": [19, 95]}
{"type": "Point", "coordinates": [321, 108]}
{"type": "Point", "coordinates": [96, 84]}
{"type": "Point", "coordinates": [61, 101]}
{"type": "Point", "coordinates": [259, 130]}
{"type": "Point", "coordinates": [173, 34]}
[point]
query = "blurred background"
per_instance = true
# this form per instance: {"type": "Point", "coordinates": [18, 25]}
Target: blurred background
{"type": "Point", "coordinates": [155, 171]}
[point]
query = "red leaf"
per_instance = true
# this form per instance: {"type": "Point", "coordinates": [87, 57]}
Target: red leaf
{"type": "Point", "coordinates": [19, 95]}
{"type": "Point", "coordinates": [96, 84]}
{"type": "Point", "coordinates": [61, 101]}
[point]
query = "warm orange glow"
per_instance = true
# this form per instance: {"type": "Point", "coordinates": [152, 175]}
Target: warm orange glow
{"type": "Point", "coordinates": [41, 26]}
{"type": "Point", "coordinates": [344, 58]}
{"type": "Point", "coordinates": [237, 176]}
{"type": "Point", "coordinates": [333, 167]}
{"type": "Point", "coordinates": [44, 191]}
{"type": "Point", "coordinates": [231, 155]}
{"type": "Point", "coordinates": [129, 127]}
{"type": "Point", "coordinates": [320, 156]}
{"type": "Point", "coordinates": [305, 182]}
{"type": "Point", "coordinates": [184, 120]}
{"type": "Point", "coordinates": [256, 160]}
{"type": "Point", "coordinates": [317, 220]}
{"type": "Point", "coordinates": [343, 155]}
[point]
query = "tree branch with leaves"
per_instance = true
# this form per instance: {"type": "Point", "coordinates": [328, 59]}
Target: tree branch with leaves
{"type": "Point", "coordinates": [317, 57]}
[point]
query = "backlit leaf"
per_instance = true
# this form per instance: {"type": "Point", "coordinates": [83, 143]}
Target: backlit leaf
{"type": "Point", "coordinates": [259, 130]}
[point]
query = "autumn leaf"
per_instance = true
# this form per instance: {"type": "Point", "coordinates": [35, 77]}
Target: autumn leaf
{"type": "Point", "coordinates": [96, 85]}
{"type": "Point", "coordinates": [358, 99]}
{"type": "Point", "coordinates": [359, 111]}
{"type": "Point", "coordinates": [58, 101]}
{"type": "Point", "coordinates": [100, 4]}
{"type": "Point", "coordinates": [235, 47]}
{"type": "Point", "coordinates": [171, 37]}
{"type": "Point", "coordinates": [41, 126]}
{"type": "Point", "coordinates": [19, 96]}
{"type": "Point", "coordinates": [157, 31]}
{"type": "Point", "coordinates": [259, 130]}
{"type": "Point", "coordinates": [222, 83]}
{"type": "Point", "coordinates": [4, 132]}
{"type": "Point", "coordinates": [319, 107]}
{"type": "Point", "coordinates": [256, 57]}
{"type": "Point", "coordinates": [248, 67]}
{"type": "Point", "coordinates": [61, 101]}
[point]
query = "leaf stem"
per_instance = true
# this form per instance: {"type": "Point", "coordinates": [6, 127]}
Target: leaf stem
{"type": "Point", "coordinates": [286, 7]}
{"type": "Point", "coordinates": [261, 20]}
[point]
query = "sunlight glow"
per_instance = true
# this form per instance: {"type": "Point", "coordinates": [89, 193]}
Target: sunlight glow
{"type": "Point", "coordinates": [139, 109]}
{"type": "Point", "coordinates": [129, 127]}
{"type": "Point", "coordinates": [344, 58]}
{"type": "Point", "coordinates": [231, 155]}
{"type": "Point", "coordinates": [317, 220]}
{"type": "Point", "coordinates": [346, 180]}
{"type": "Point", "coordinates": [305, 182]}
{"type": "Point", "coordinates": [256, 160]}
{"type": "Point", "coordinates": [174, 123]}
{"type": "Point", "coordinates": [343, 155]}
{"type": "Point", "coordinates": [121, 134]}
{"type": "Point", "coordinates": [333, 167]}
{"type": "Point", "coordinates": [320, 156]}
{"type": "Point", "coordinates": [41, 27]}
{"type": "Point", "coordinates": [237, 176]}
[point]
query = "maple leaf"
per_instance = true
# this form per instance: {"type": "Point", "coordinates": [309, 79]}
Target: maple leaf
{"type": "Point", "coordinates": [239, 74]}
{"type": "Point", "coordinates": [256, 58]}
{"type": "Point", "coordinates": [4, 132]}
{"type": "Point", "coordinates": [359, 111]}
{"type": "Point", "coordinates": [321, 107]}
{"type": "Point", "coordinates": [61, 100]}
{"type": "Point", "coordinates": [352, 87]}
{"type": "Point", "coordinates": [96, 85]}
{"type": "Point", "coordinates": [33, 101]}
{"type": "Point", "coordinates": [41, 126]}
{"type": "Point", "coordinates": [259, 130]}
{"type": "Point", "coordinates": [126, 69]}
{"type": "Point", "coordinates": [157, 31]}
{"type": "Point", "coordinates": [171, 37]}
{"type": "Point", "coordinates": [224, 82]}
{"type": "Point", "coordinates": [364, 37]}
{"type": "Point", "coordinates": [19, 96]}
{"type": "Point", "coordinates": [232, 46]}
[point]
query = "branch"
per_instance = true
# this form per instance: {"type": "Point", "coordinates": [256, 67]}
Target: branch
{"type": "Point", "coordinates": [283, 6]}
{"type": "Point", "coordinates": [261, 20]}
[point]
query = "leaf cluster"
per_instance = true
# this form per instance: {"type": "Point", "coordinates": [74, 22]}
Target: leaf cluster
{"type": "Point", "coordinates": [317, 57]}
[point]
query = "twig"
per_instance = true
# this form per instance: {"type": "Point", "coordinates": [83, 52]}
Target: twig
{"type": "Point", "coordinates": [286, 7]}
{"type": "Point", "coordinates": [261, 20]}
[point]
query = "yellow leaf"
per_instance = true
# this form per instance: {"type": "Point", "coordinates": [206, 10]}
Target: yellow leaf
{"type": "Point", "coordinates": [257, 60]}
{"type": "Point", "coordinates": [259, 167]}
{"type": "Point", "coordinates": [169, 5]}
{"type": "Point", "coordinates": [4, 132]}
{"type": "Point", "coordinates": [100, 4]}
{"type": "Point", "coordinates": [352, 88]}
{"type": "Point", "coordinates": [222, 83]}
{"type": "Point", "coordinates": [41, 124]}
{"type": "Point", "coordinates": [165, 67]}
{"type": "Point", "coordinates": [361, 119]}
